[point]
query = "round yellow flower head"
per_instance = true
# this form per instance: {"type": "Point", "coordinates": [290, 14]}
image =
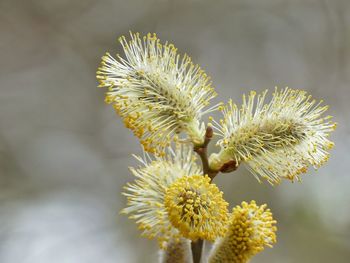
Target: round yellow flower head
{"type": "Point", "coordinates": [196, 207]}
{"type": "Point", "coordinates": [146, 194]}
{"type": "Point", "coordinates": [251, 228]}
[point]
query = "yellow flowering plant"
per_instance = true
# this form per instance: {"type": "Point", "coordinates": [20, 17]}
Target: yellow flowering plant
{"type": "Point", "coordinates": [161, 95]}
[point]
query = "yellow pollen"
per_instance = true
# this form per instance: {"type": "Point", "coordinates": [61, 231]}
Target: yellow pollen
{"type": "Point", "coordinates": [250, 230]}
{"type": "Point", "coordinates": [196, 207]}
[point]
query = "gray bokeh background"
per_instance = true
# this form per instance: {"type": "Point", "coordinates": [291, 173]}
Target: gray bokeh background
{"type": "Point", "coordinates": [64, 153]}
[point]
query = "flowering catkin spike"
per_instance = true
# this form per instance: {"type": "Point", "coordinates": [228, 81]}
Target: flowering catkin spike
{"type": "Point", "coordinates": [176, 252]}
{"type": "Point", "coordinates": [146, 194]}
{"type": "Point", "coordinates": [250, 230]}
{"type": "Point", "coordinates": [196, 208]}
{"type": "Point", "coordinates": [156, 91]}
{"type": "Point", "coordinates": [275, 140]}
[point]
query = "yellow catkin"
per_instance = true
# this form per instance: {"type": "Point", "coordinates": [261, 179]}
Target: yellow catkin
{"type": "Point", "coordinates": [157, 92]}
{"type": "Point", "coordinates": [176, 251]}
{"type": "Point", "coordinates": [196, 208]}
{"type": "Point", "coordinates": [280, 139]}
{"type": "Point", "coordinates": [251, 228]}
{"type": "Point", "coordinates": [146, 194]}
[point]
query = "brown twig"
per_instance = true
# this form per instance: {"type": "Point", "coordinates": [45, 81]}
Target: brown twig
{"type": "Point", "coordinates": [197, 246]}
{"type": "Point", "coordinates": [202, 151]}
{"type": "Point", "coordinates": [203, 154]}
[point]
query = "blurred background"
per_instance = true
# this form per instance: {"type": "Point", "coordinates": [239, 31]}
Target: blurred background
{"type": "Point", "coordinates": [64, 154]}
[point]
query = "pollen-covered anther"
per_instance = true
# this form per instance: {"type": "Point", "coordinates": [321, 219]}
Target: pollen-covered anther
{"type": "Point", "coordinates": [251, 228]}
{"type": "Point", "coordinates": [157, 92]}
{"type": "Point", "coordinates": [196, 208]}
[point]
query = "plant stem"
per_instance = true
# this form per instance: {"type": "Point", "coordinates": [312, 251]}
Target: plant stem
{"type": "Point", "coordinates": [203, 154]}
{"type": "Point", "coordinates": [197, 246]}
{"type": "Point", "coordinates": [202, 151]}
